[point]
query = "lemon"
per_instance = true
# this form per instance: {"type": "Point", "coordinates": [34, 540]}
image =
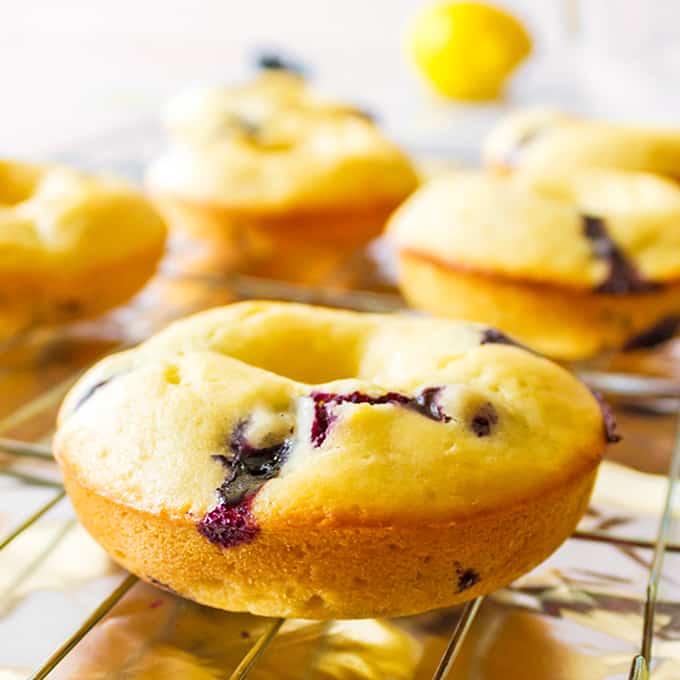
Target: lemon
{"type": "Point", "coordinates": [467, 49]}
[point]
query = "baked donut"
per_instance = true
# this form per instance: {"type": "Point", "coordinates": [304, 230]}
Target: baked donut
{"type": "Point", "coordinates": [571, 263]}
{"type": "Point", "coordinates": [297, 461]}
{"type": "Point", "coordinates": [543, 140]}
{"type": "Point", "coordinates": [71, 244]}
{"type": "Point", "coordinates": [272, 153]}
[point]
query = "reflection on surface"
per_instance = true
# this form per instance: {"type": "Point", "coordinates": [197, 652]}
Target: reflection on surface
{"type": "Point", "coordinates": [153, 635]}
{"type": "Point", "coordinates": [577, 616]}
{"type": "Point", "coordinates": [42, 559]}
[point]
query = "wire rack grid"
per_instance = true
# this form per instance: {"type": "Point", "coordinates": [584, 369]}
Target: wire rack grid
{"type": "Point", "coordinates": [27, 451]}
{"type": "Point", "coordinates": [339, 279]}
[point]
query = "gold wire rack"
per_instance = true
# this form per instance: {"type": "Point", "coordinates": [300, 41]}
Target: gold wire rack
{"type": "Point", "coordinates": [346, 279]}
{"type": "Point", "coordinates": [26, 451]}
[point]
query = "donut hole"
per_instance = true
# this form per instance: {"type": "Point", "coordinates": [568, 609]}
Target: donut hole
{"type": "Point", "coordinates": [18, 182]}
{"type": "Point", "coordinates": [298, 349]}
{"type": "Point", "coordinates": [306, 364]}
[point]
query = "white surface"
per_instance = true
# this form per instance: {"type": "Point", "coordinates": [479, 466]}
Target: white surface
{"type": "Point", "coordinates": [77, 68]}
{"type": "Point", "coordinates": [73, 69]}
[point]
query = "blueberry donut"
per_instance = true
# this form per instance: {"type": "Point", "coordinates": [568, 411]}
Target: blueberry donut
{"type": "Point", "coordinates": [71, 245]}
{"type": "Point", "coordinates": [297, 461]}
{"type": "Point", "coordinates": [572, 264]}
{"type": "Point", "coordinates": [542, 140]}
{"type": "Point", "coordinates": [273, 153]}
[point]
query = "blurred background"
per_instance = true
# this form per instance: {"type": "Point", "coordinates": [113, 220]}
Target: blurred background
{"type": "Point", "coordinates": [73, 70]}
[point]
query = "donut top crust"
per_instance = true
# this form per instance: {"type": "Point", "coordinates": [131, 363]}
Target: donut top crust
{"type": "Point", "coordinates": [538, 228]}
{"type": "Point", "coordinates": [273, 146]}
{"type": "Point", "coordinates": [541, 140]}
{"type": "Point", "coordinates": [476, 423]}
{"type": "Point", "coordinates": [207, 114]}
{"type": "Point", "coordinates": [55, 217]}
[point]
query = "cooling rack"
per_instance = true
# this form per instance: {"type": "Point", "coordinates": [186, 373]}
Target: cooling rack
{"type": "Point", "coordinates": [24, 439]}
{"type": "Point", "coordinates": [607, 605]}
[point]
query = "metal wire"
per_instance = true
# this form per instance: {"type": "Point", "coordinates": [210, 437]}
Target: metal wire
{"type": "Point", "coordinates": [85, 628]}
{"type": "Point", "coordinates": [457, 638]}
{"type": "Point", "coordinates": [35, 563]}
{"type": "Point", "coordinates": [642, 662]}
{"type": "Point", "coordinates": [28, 478]}
{"type": "Point", "coordinates": [32, 519]}
{"type": "Point", "coordinates": [629, 385]}
{"type": "Point", "coordinates": [46, 400]}
{"type": "Point", "coordinates": [257, 650]}
{"type": "Point", "coordinates": [25, 449]}
{"type": "Point", "coordinates": [255, 287]}
{"type": "Point", "coordinates": [639, 670]}
{"type": "Point", "coordinates": [604, 537]}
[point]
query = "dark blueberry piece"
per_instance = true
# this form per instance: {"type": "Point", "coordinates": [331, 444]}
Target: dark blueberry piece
{"type": "Point", "coordinates": [222, 460]}
{"type": "Point", "coordinates": [94, 388]}
{"type": "Point", "coordinates": [261, 462]}
{"type": "Point", "coordinates": [660, 332]}
{"type": "Point", "coordinates": [424, 403]}
{"type": "Point", "coordinates": [466, 578]}
{"type": "Point", "coordinates": [269, 61]}
{"type": "Point", "coordinates": [595, 232]}
{"type": "Point", "coordinates": [228, 526]}
{"type": "Point", "coordinates": [248, 467]}
{"type": "Point", "coordinates": [623, 277]}
{"type": "Point", "coordinates": [492, 336]}
{"type": "Point", "coordinates": [483, 421]}
{"type": "Point", "coordinates": [608, 419]}
{"type": "Point", "coordinates": [427, 403]}
{"type": "Point", "coordinates": [323, 418]}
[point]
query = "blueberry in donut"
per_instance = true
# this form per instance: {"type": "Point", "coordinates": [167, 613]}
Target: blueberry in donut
{"type": "Point", "coordinates": [290, 460]}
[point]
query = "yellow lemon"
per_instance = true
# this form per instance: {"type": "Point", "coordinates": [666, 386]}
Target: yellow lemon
{"type": "Point", "coordinates": [467, 49]}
